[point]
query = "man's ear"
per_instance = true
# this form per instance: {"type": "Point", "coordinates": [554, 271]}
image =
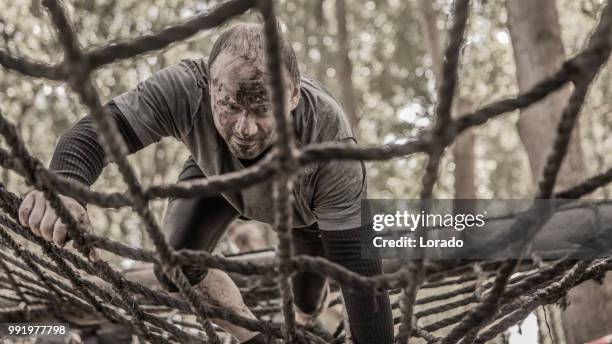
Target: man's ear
{"type": "Point", "coordinates": [295, 97]}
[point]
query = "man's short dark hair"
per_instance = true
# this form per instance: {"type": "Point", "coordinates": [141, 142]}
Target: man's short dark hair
{"type": "Point", "coordinates": [246, 38]}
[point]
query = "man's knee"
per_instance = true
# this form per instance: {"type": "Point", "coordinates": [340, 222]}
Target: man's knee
{"type": "Point", "coordinates": [309, 290]}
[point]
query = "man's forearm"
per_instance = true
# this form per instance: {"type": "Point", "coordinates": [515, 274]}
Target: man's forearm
{"type": "Point", "coordinates": [79, 155]}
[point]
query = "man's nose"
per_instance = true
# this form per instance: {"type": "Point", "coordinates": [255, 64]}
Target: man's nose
{"type": "Point", "coordinates": [246, 126]}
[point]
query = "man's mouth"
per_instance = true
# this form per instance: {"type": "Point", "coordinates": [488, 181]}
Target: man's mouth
{"type": "Point", "coordinates": [243, 143]}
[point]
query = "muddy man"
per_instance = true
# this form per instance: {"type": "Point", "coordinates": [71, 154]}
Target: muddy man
{"type": "Point", "coordinates": [220, 109]}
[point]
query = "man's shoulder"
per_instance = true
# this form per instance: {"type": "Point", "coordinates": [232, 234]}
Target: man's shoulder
{"type": "Point", "coordinates": [320, 114]}
{"type": "Point", "coordinates": [198, 66]}
{"type": "Point", "coordinates": [184, 73]}
{"type": "Point", "coordinates": [166, 103]}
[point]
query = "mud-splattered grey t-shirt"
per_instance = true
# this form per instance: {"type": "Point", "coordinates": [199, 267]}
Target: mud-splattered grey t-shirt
{"type": "Point", "coordinates": [175, 102]}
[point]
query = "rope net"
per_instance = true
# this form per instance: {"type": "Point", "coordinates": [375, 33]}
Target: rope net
{"type": "Point", "coordinates": [54, 281]}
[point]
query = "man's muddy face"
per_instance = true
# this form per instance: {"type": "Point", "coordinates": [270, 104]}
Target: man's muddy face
{"type": "Point", "coordinates": [241, 105]}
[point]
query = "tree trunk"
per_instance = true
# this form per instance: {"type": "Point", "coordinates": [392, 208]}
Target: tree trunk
{"type": "Point", "coordinates": [319, 13]}
{"type": "Point", "coordinates": [538, 52]}
{"type": "Point", "coordinates": [463, 155]}
{"type": "Point", "coordinates": [345, 66]}
{"type": "Point", "coordinates": [315, 26]}
{"type": "Point", "coordinates": [463, 148]}
{"type": "Point", "coordinates": [429, 28]}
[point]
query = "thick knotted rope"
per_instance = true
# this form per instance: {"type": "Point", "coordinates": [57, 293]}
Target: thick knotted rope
{"type": "Point", "coordinates": [54, 280]}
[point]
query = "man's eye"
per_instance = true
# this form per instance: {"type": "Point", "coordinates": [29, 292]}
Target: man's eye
{"type": "Point", "coordinates": [263, 109]}
{"type": "Point", "coordinates": [231, 107]}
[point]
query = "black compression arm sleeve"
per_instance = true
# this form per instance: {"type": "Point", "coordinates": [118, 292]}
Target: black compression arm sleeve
{"type": "Point", "coordinates": [369, 314]}
{"type": "Point", "coordinates": [78, 154]}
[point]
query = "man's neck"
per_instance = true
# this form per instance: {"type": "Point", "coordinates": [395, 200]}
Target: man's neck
{"type": "Point", "coordinates": [251, 162]}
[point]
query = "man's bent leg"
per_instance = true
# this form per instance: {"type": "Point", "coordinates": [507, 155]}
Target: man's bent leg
{"type": "Point", "coordinates": [309, 288]}
{"type": "Point", "coordinates": [198, 224]}
{"type": "Point", "coordinates": [194, 223]}
{"type": "Point", "coordinates": [369, 313]}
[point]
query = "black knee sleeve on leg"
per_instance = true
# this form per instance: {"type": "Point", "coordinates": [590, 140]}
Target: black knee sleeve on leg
{"type": "Point", "coordinates": [195, 224]}
{"type": "Point", "coordinates": [308, 290]}
{"type": "Point", "coordinates": [369, 314]}
{"type": "Point", "coordinates": [308, 287]}
{"type": "Point", "coordinates": [195, 274]}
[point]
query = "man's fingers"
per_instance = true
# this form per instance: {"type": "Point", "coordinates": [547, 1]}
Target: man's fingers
{"type": "Point", "coordinates": [83, 221]}
{"type": "Point", "coordinates": [25, 208]}
{"type": "Point", "coordinates": [93, 255]}
{"type": "Point", "coordinates": [37, 214]}
{"type": "Point", "coordinates": [59, 233]}
{"type": "Point", "coordinates": [47, 224]}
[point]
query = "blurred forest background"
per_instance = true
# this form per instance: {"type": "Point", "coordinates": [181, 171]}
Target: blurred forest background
{"type": "Point", "coordinates": [380, 57]}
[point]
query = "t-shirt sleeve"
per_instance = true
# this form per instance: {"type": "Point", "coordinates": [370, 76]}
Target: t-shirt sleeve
{"type": "Point", "coordinates": [339, 189]}
{"type": "Point", "coordinates": [165, 103]}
